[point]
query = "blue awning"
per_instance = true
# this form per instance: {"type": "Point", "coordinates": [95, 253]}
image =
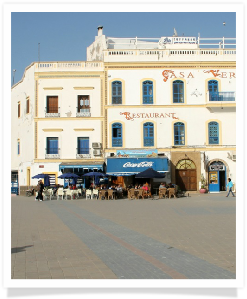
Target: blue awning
{"type": "Point", "coordinates": [132, 166]}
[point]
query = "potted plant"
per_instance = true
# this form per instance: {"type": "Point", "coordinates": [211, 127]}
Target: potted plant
{"type": "Point", "coordinates": [203, 184]}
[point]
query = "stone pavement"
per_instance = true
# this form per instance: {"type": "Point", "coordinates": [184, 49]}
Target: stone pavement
{"type": "Point", "coordinates": [183, 238]}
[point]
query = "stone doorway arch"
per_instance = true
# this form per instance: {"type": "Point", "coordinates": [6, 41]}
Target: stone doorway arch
{"type": "Point", "coordinates": [186, 175]}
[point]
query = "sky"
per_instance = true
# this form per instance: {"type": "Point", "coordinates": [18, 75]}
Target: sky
{"type": "Point", "coordinates": [65, 36]}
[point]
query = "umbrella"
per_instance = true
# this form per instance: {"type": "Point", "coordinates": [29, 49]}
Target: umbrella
{"type": "Point", "coordinates": [69, 175]}
{"type": "Point", "coordinates": [44, 176]}
{"type": "Point", "coordinates": [150, 173]}
{"type": "Point", "coordinates": [95, 175]}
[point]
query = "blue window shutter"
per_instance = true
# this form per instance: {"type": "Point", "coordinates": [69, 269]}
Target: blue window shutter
{"type": "Point", "coordinates": [179, 134]}
{"type": "Point", "coordinates": [213, 90]}
{"type": "Point", "coordinates": [83, 145]}
{"type": "Point", "coordinates": [117, 92]}
{"type": "Point", "coordinates": [148, 133]}
{"type": "Point", "coordinates": [117, 135]}
{"type": "Point", "coordinates": [52, 145]}
{"type": "Point", "coordinates": [147, 91]}
{"type": "Point", "coordinates": [213, 132]}
{"type": "Point", "coordinates": [178, 91]}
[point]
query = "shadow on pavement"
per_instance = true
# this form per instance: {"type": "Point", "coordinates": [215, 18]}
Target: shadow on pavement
{"type": "Point", "coordinates": [19, 249]}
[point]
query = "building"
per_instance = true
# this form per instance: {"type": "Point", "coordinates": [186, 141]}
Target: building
{"type": "Point", "coordinates": [168, 103]}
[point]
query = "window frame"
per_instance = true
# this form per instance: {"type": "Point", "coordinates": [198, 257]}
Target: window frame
{"type": "Point", "coordinates": [83, 150]}
{"type": "Point", "coordinates": [147, 98]}
{"type": "Point", "coordinates": [49, 107]}
{"type": "Point", "coordinates": [19, 109]}
{"type": "Point", "coordinates": [210, 127]}
{"type": "Point", "coordinates": [27, 106]}
{"type": "Point", "coordinates": [180, 140]}
{"type": "Point", "coordinates": [85, 107]}
{"type": "Point", "coordinates": [117, 99]}
{"type": "Point", "coordinates": [177, 83]}
{"type": "Point", "coordinates": [118, 140]}
{"type": "Point", "coordinates": [48, 147]}
{"type": "Point", "coordinates": [18, 147]}
{"type": "Point", "coordinates": [148, 134]}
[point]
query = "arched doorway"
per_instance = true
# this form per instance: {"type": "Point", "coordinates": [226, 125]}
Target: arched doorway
{"type": "Point", "coordinates": [217, 176]}
{"type": "Point", "coordinates": [186, 175]}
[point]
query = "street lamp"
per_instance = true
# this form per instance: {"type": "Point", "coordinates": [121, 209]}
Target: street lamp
{"type": "Point", "coordinates": [14, 76]}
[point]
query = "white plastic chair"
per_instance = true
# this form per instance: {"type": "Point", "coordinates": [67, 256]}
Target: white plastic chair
{"type": "Point", "coordinates": [68, 193]}
{"type": "Point", "coordinates": [59, 193]}
{"type": "Point", "coordinates": [88, 194]}
{"type": "Point", "coordinates": [95, 193]}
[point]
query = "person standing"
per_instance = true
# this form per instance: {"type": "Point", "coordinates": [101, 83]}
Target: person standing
{"type": "Point", "coordinates": [40, 189]}
{"type": "Point", "coordinates": [230, 185]}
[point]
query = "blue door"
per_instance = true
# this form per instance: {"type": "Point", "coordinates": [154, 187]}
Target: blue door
{"type": "Point", "coordinates": [214, 181]}
{"type": "Point", "coordinates": [14, 183]}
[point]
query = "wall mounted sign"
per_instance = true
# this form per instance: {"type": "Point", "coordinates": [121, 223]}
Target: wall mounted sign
{"type": "Point", "coordinates": [170, 74]}
{"type": "Point", "coordinates": [132, 116]}
{"type": "Point", "coordinates": [137, 153]}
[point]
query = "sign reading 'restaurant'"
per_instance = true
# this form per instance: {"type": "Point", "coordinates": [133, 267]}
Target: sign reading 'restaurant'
{"type": "Point", "coordinates": [132, 116]}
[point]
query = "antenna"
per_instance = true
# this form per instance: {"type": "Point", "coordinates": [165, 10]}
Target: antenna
{"type": "Point", "coordinates": [14, 76]}
{"type": "Point", "coordinates": [39, 52]}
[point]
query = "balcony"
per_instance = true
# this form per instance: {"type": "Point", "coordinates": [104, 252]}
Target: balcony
{"type": "Point", "coordinates": [52, 153]}
{"type": "Point", "coordinates": [83, 153]}
{"type": "Point", "coordinates": [52, 112]}
{"type": "Point", "coordinates": [220, 101]}
{"type": "Point", "coordinates": [222, 96]}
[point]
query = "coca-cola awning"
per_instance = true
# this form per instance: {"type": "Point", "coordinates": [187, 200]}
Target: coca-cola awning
{"type": "Point", "coordinates": [132, 166]}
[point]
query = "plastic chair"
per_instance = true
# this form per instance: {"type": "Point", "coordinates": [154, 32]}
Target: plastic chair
{"type": "Point", "coordinates": [60, 193]}
{"type": "Point", "coordinates": [95, 193]}
{"type": "Point", "coordinates": [88, 194]}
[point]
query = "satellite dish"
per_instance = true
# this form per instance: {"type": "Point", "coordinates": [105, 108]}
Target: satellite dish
{"type": "Point", "coordinates": [175, 32]}
{"type": "Point", "coordinates": [224, 23]}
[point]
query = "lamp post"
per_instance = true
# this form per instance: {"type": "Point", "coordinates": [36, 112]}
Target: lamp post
{"type": "Point", "coordinates": [14, 76]}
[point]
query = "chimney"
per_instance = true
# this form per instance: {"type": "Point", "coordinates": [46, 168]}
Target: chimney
{"type": "Point", "coordinates": [100, 30]}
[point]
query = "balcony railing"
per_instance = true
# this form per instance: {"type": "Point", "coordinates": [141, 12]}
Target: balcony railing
{"type": "Point", "coordinates": [83, 153]}
{"type": "Point", "coordinates": [222, 97]}
{"type": "Point", "coordinates": [52, 153]}
{"type": "Point", "coordinates": [52, 112]}
{"type": "Point", "coordinates": [83, 112]}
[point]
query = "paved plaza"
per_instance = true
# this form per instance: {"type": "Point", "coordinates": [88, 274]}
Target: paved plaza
{"type": "Point", "coordinates": [183, 238]}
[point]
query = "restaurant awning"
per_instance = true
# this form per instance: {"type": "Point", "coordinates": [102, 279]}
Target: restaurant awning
{"type": "Point", "coordinates": [132, 166]}
{"type": "Point", "coordinates": [90, 166]}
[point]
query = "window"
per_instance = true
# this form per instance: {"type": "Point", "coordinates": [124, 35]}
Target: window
{"type": "Point", "coordinates": [52, 145]}
{"type": "Point", "coordinates": [147, 89]}
{"type": "Point", "coordinates": [52, 104]}
{"type": "Point", "coordinates": [83, 145]}
{"type": "Point", "coordinates": [83, 103]}
{"type": "Point", "coordinates": [213, 132]}
{"type": "Point", "coordinates": [117, 135]}
{"type": "Point", "coordinates": [19, 109]}
{"type": "Point", "coordinates": [116, 92]}
{"type": "Point", "coordinates": [18, 147]}
{"type": "Point", "coordinates": [27, 106]}
{"type": "Point", "coordinates": [178, 91]}
{"type": "Point", "coordinates": [148, 129]}
{"type": "Point", "coordinates": [213, 90]}
{"type": "Point", "coordinates": [179, 134]}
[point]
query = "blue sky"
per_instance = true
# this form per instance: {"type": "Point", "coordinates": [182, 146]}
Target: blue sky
{"type": "Point", "coordinates": [66, 35]}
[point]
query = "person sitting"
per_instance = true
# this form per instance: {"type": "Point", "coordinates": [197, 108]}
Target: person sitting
{"type": "Point", "coordinates": [145, 187]}
{"type": "Point", "coordinates": [162, 185]}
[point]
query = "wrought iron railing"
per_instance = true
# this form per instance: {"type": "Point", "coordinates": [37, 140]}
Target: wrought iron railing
{"type": "Point", "coordinates": [52, 153]}
{"type": "Point", "coordinates": [83, 152]}
{"type": "Point", "coordinates": [222, 96]}
{"type": "Point", "coordinates": [52, 112]}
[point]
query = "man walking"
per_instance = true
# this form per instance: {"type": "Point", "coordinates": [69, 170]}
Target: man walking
{"type": "Point", "coordinates": [230, 185]}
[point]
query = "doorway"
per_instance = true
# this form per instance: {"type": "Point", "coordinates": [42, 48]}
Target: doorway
{"type": "Point", "coordinates": [186, 175]}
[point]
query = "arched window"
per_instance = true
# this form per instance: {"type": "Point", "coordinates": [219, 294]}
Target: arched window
{"type": "Point", "coordinates": [116, 92]}
{"type": "Point", "coordinates": [213, 90]}
{"type": "Point", "coordinates": [117, 135]}
{"type": "Point", "coordinates": [148, 134]}
{"type": "Point", "coordinates": [178, 91]}
{"type": "Point", "coordinates": [213, 132]}
{"type": "Point", "coordinates": [147, 89]}
{"type": "Point", "coordinates": [186, 164]}
{"type": "Point", "coordinates": [179, 134]}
